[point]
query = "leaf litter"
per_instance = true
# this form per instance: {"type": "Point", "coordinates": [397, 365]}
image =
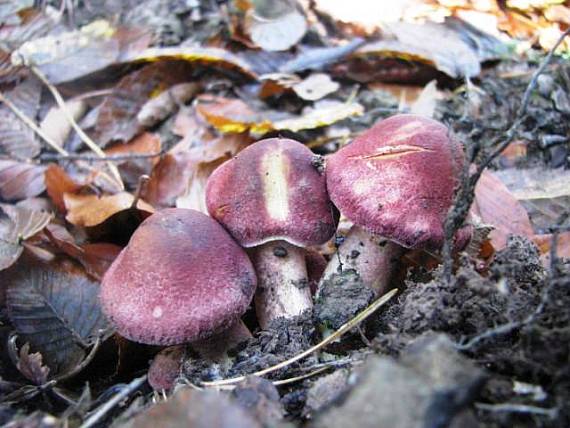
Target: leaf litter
{"type": "Point", "coordinates": [171, 91]}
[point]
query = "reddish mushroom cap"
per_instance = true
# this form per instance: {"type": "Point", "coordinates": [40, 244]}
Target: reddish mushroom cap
{"type": "Point", "coordinates": [181, 278]}
{"type": "Point", "coordinates": [397, 179]}
{"type": "Point", "coordinates": [271, 190]}
{"type": "Point", "coordinates": [165, 368]}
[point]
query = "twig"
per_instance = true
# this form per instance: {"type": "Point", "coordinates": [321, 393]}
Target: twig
{"type": "Point", "coordinates": [84, 137]}
{"type": "Point", "coordinates": [117, 158]}
{"type": "Point", "coordinates": [518, 408]}
{"type": "Point", "coordinates": [342, 330]}
{"type": "Point", "coordinates": [102, 411]}
{"type": "Point", "coordinates": [466, 193]}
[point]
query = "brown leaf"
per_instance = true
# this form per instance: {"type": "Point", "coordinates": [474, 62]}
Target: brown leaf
{"type": "Point", "coordinates": [160, 107]}
{"type": "Point", "coordinates": [31, 366]}
{"type": "Point", "coordinates": [132, 169]}
{"type": "Point", "coordinates": [92, 210]}
{"type": "Point", "coordinates": [544, 193]}
{"type": "Point", "coordinates": [182, 172]}
{"type": "Point", "coordinates": [117, 120]}
{"type": "Point", "coordinates": [19, 180]}
{"type": "Point", "coordinates": [95, 258]}
{"type": "Point", "coordinates": [169, 179]}
{"type": "Point", "coordinates": [58, 182]}
{"type": "Point", "coordinates": [496, 206]}
{"type": "Point", "coordinates": [544, 244]}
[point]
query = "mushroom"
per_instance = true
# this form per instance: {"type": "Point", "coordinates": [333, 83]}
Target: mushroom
{"type": "Point", "coordinates": [273, 199]}
{"type": "Point", "coordinates": [180, 279]}
{"type": "Point", "coordinates": [167, 364]}
{"type": "Point", "coordinates": [395, 182]}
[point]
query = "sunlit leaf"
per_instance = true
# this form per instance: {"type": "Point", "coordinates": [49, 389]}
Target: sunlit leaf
{"type": "Point", "coordinates": [69, 55]}
{"type": "Point", "coordinates": [234, 115]}
{"type": "Point", "coordinates": [275, 25]}
{"type": "Point", "coordinates": [199, 55]}
{"type": "Point", "coordinates": [92, 210]}
{"type": "Point", "coordinates": [55, 308]}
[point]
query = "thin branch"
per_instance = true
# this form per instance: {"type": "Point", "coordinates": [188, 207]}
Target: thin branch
{"type": "Point", "coordinates": [466, 193]}
{"type": "Point", "coordinates": [102, 411]}
{"type": "Point", "coordinates": [88, 158]}
{"type": "Point", "coordinates": [518, 408]}
{"type": "Point", "coordinates": [84, 137]}
{"type": "Point", "coordinates": [341, 331]}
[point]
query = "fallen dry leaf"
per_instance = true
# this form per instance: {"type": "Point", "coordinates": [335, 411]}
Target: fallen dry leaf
{"type": "Point", "coordinates": [427, 100]}
{"type": "Point", "coordinates": [18, 140]}
{"type": "Point", "coordinates": [117, 119]}
{"type": "Point", "coordinates": [17, 225]}
{"type": "Point", "coordinates": [92, 210]}
{"type": "Point", "coordinates": [496, 206]}
{"type": "Point", "coordinates": [55, 307]}
{"type": "Point", "coordinates": [55, 123]}
{"type": "Point", "coordinates": [95, 258]}
{"type": "Point", "coordinates": [145, 144]}
{"type": "Point", "coordinates": [315, 86]}
{"type": "Point", "coordinates": [169, 179]}
{"type": "Point", "coordinates": [58, 182]}
{"type": "Point", "coordinates": [275, 25]}
{"type": "Point", "coordinates": [19, 180]}
{"type": "Point", "coordinates": [160, 107]}
{"type": "Point", "coordinates": [214, 57]}
{"type": "Point", "coordinates": [31, 366]}
{"type": "Point", "coordinates": [69, 55]}
{"type": "Point", "coordinates": [234, 115]}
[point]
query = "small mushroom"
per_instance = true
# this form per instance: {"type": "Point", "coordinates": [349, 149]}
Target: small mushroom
{"type": "Point", "coordinates": [272, 198]}
{"type": "Point", "coordinates": [180, 279]}
{"type": "Point", "coordinates": [167, 364]}
{"type": "Point", "coordinates": [395, 182]}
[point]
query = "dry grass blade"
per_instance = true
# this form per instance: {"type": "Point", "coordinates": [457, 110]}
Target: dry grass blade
{"type": "Point", "coordinates": [84, 137]}
{"type": "Point", "coordinates": [341, 331]}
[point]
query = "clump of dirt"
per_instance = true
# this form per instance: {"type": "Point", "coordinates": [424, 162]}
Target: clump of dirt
{"type": "Point", "coordinates": [340, 298]}
{"type": "Point", "coordinates": [283, 339]}
{"type": "Point", "coordinates": [534, 352]}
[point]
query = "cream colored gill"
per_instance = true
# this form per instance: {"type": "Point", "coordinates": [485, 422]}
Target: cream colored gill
{"type": "Point", "coordinates": [274, 172]}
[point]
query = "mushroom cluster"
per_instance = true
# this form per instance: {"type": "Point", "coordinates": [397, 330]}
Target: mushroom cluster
{"type": "Point", "coordinates": [185, 277]}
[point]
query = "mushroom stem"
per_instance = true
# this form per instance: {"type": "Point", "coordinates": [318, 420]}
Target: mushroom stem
{"type": "Point", "coordinates": [215, 348]}
{"type": "Point", "coordinates": [283, 288]}
{"type": "Point", "coordinates": [371, 256]}
{"type": "Point", "coordinates": [167, 364]}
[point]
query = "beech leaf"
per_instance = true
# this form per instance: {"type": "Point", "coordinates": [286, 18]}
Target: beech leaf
{"type": "Point", "coordinates": [55, 308]}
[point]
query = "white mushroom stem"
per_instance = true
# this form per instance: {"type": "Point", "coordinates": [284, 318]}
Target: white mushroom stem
{"type": "Point", "coordinates": [371, 256]}
{"type": "Point", "coordinates": [282, 284]}
{"type": "Point", "coordinates": [215, 348]}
